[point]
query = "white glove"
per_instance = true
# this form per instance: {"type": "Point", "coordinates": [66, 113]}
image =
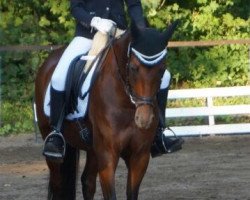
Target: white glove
{"type": "Point", "coordinates": [102, 25]}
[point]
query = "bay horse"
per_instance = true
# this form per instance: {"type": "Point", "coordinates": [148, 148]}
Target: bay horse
{"type": "Point", "coordinates": [122, 117]}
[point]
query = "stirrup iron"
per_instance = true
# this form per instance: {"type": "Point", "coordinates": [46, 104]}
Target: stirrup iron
{"type": "Point", "coordinates": [52, 155]}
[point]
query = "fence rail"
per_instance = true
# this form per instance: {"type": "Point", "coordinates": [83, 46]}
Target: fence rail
{"type": "Point", "coordinates": [209, 111]}
{"type": "Point", "coordinates": [172, 44]}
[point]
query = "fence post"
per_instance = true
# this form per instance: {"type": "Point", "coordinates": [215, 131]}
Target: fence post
{"type": "Point", "coordinates": [35, 121]}
{"type": "Point", "coordinates": [209, 105]}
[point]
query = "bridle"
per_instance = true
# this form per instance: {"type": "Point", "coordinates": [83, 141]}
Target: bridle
{"type": "Point", "coordinates": [136, 99]}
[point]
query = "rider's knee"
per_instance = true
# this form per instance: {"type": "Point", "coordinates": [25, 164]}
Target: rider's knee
{"type": "Point", "coordinates": [57, 81]}
{"type": "Point", "coordinates": [165, 79]}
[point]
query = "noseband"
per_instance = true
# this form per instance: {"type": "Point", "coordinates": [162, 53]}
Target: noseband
{"type": "Point", "coordinates": [149, 61]}
{"type": "Point", "coordinates": [139, 100]}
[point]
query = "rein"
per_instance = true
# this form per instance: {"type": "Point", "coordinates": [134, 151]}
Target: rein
{"type": "Point", "coordinates": [101, 56]}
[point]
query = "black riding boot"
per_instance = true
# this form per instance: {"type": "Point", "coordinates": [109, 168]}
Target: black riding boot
{"type": "Point", "coordinates": [54, 145]}
{"type": "Point", "coordinates": [163, 144]}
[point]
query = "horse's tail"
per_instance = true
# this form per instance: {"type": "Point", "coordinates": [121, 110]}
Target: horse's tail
{"type": "Point", "coordinates": [68, 172]}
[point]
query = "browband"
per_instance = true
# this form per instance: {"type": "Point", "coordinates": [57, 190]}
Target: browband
{"type": "Point", "coordinates": [149, 60]}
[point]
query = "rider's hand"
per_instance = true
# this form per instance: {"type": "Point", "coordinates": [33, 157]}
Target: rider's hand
{"type": "Point", "coordinates": [102, 25]}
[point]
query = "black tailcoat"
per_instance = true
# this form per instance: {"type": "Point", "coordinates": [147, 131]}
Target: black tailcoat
{"type": "Point", "coordinates": [84, 10]}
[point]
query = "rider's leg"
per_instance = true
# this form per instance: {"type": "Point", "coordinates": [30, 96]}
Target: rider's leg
{"type": "Point", "coordinates": [163, 144]}
{"type": "Point", "coordinates": [54, 146]}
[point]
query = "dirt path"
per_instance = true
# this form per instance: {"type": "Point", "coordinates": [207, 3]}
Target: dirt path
{"type": "Point", "coordinates": [207, 168]}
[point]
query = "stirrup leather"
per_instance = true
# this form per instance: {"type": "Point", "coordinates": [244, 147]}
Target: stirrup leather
{"type": "Point", "coordinates": [163, 144]}
{"type": "Point", "coordinates": [51, 154]}
{"type": "Point", "coordinates": [162, 141]}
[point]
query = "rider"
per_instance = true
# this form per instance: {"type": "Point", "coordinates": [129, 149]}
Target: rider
{"type": "Point", "coordinates": [92, 16]}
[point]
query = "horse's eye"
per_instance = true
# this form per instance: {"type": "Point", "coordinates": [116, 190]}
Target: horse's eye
{"type": "Point", "coordinates": [134, 68]}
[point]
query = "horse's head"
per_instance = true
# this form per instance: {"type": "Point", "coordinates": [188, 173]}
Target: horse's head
{"type": "Point", "coordinates": [147, 54]}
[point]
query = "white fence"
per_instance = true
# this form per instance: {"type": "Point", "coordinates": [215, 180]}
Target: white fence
{"type": "Point", "coordinates": [210, 111]}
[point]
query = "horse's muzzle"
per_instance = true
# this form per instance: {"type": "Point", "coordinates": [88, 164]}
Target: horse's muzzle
{"type": "Point", "coordinates": [144, 116]}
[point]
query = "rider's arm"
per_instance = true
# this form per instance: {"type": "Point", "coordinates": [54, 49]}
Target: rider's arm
{"type": "Point", "coordinates": [79, 13]}
{"type": "Point", "coordinates": [135, 12]}
{"type": "Point", "coordinates": [83, 17]}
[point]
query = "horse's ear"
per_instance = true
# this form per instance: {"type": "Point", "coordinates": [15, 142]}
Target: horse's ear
{"type": "Point", "coordinates": [135, 30]}
{"type": "Point", "coordinates": [167, 34]}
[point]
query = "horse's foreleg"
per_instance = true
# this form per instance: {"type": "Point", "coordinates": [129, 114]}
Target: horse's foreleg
{"type": "Point", "coordinates": [89, 175]}
{"type": "Point", "coordinates": [137, 166]}
{"type": "Point", "coordinates": [55, 181]}
{"type": "Point", "coordinates": [62, 183]}
{"type": "Point", "coordinates": [107, 163]}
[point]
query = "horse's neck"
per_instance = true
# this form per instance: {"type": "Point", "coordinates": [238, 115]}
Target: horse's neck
{"type": "Point", "coordinates": [110, 80]}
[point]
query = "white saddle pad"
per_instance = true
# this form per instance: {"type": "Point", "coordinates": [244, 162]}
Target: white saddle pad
{"type": "Point", "coordinates": [82, 104]}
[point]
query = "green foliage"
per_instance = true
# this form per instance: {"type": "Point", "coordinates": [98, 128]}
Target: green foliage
{"type": "Point", "coordinates": [35, 22]}
{"type": "Point", "coordinates": [49, 22]}
{"type": "Point", "coordinates": [18, 75]}
{"type": "Point", "coordinates": [27, 22]}
{"type": "Point", "coordinates": [16, 118]}
{"type": "Point", "coordinates": [205, 20]}
{"type": "Point", "coordinates": [209, 67]}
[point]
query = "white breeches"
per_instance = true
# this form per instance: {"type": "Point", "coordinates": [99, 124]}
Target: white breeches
{"type": "Point", "coordinates": [78, 46]}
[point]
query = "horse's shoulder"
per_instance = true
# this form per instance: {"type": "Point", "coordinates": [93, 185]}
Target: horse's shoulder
{"type": "Point", "coordinates": [57, 53]}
